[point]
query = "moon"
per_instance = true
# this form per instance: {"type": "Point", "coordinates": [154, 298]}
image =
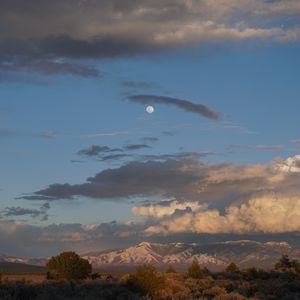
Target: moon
{"type": "Point", "coordinates": [150, 109]}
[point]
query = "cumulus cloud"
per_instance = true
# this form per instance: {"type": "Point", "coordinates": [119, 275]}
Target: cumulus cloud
{"type": "Point", "coordinates": [37, 35]}
{"type": "Point", "coordinates": [266, 214]}
{"type": "Point", "coordinates": [165, 208]}
{"type": "Point", "coordinates": [205, 198]}
{"type": "Point", "coordinates": [185, 105]}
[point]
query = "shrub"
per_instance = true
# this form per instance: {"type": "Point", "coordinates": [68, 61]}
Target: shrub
{"type": "Point", "coordinates": [70, 266]}
{"type": "Point", "coordinates": [232, 268]}
{"type": "Point", "coordinates": [95, 276]}
{"type": "Point", "coordinates": [195, 271]}
{"type": "Point", "coordinates": [147, 280]}
{"type": "Point", "coordinates": [170, 269]}
{"type": "Point", "coordinates": [284, 264]}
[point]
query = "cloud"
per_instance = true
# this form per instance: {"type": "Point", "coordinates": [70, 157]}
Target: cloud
{"type": "Point", "coordinates": [102, 151]}
{"type": "Point", "coordinates": [165, 208]}
{"type": "Point", "coordinates": [114, 157]}
{"type": "Point", "coordinates": [136, 147]}
{"type": "Point", "coordinates": [48, 67]}
{"type": "Point", "coordinates": [21, 212]}
{"type": "Point", "coordinates": [105, 134]}
{"type": "Point", "coordinates": [133, 179]}
{"type": "Point", "coordinates": [46, 38]}
{"type": "Point", "coordinates": [274, 148]}
{"type": "Point", "coordinates": [266, 214]}
{"type": "Point", "coordinates": [205, 198]}
{"type": "Point", "coordinates": [94, 150]}
{"type": "Point", "coordinates": [36, 197]}
{"type": "Point", "coordinates": [49, 135]}
{"type": "Point", "coordinates": [23, 239]}
{"type": "Point", "coordinates": [185, 105]}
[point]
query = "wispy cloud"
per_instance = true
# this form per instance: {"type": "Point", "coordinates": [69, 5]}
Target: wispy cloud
{"type": "Point", "coordinates": [105, 134]}
{"type": "Point", "coordinates": [185, 105]}
{"type": "Point", "coordinates": [95, 150]}
{"type": "Point", "coordinates": [23, 212]}
{"type": "Point", "coordinates": [274, 148]}
{"type": "Point", "coordinates": [132, 147]}
{"type": "Point", "coordinates": [48, 67]}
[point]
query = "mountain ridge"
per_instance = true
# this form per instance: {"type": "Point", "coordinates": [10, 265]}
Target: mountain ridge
{"type": "Point", "coordinates": [215, 256]}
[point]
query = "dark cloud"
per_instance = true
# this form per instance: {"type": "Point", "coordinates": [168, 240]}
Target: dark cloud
{"type": "Point", "coordinates": [94, 150]}
{"type": "Point", "coordinates": [36, 197]}
{"type": "Point", "coordinates": [35, 35]}
{"type": "Point", "coordinates": [114, 157]}
{"type": "Point", "coordinates": [185, 105]}
{"type": "Point", "coordinates": [136, 147]}
{"type": "Point", "coordinates": [133, 179]}
{"type": "Point", "coordinates": [181, 156]}
{"type": "Point", "coordinates": [20, 211]}
{"type": "Point", "coordinates": [102, 151]}
{"type": "Point", "coordinates": [43, 54]}
{"type": "Point", "coordinates": [49, 67]}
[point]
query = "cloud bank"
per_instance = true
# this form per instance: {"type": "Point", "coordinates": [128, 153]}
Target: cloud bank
{"type": "Point", "coordinates": [201, 202]}
{"type": "Point", "coordinates": [36, 35]}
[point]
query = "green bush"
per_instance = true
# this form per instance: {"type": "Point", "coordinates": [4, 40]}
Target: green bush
{"type": "Point", "coordinates": [147, 281]}
{"type": "Point", "coordinates": [69, 265]}
{"type": "Point", "coordinates": [195, 271]}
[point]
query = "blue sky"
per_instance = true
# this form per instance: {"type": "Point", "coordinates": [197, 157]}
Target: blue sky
{"type": "Point", "coordinates": [47, 116]}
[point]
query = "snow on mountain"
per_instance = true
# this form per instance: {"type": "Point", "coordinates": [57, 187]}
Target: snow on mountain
{"type": "Point", "coordinates": [25, 261]}
{"type": "Point", "coordinates": [216, 255]}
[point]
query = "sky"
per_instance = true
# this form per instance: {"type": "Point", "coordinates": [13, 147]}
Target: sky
{"type": "Point", "coordinates": [85, 167]}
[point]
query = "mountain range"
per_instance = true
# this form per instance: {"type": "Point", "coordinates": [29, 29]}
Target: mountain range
{"type": "Point", "coordinates": [215, 256]}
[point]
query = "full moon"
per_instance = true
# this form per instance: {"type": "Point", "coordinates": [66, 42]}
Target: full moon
{"type": "Point", "coordinates": [150, 109]}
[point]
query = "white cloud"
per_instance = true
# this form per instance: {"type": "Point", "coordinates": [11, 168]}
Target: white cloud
{"type": "Point", "coordinates": [265, 214]}
{"type": "Point", "coordinates": [165, 208]}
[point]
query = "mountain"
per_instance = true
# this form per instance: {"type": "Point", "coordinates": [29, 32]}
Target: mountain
{"type": "Point", "coordinates": [215, 256]}
{"type": "Point", "coordinates": [6, 260]}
